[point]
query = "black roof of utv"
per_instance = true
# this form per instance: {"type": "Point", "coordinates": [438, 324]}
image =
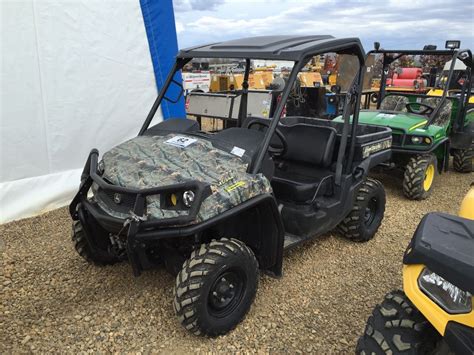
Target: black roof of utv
{"type": "Point", "coordinates": [291, 48]}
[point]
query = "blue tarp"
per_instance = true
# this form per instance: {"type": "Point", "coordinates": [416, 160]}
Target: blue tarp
{"type": "Point", "coordinates": [158, 16]}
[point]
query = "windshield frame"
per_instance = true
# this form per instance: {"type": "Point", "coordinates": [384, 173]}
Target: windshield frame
{"type": "Point", "coordinates": [352, 98]}
{"type": "Point", "coordinates": [464, 55]}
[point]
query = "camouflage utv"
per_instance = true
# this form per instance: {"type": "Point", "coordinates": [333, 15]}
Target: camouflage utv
{"type": "Point", "coordinates": [216, 207]}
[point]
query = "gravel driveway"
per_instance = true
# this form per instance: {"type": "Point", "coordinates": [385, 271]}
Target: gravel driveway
{"type": "Point", "coordinates": [52, 300]}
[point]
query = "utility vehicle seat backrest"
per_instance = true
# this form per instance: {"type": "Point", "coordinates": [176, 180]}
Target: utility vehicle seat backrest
{"type": "Point", "coordinates": [394, 103]}
{"type": "Point", "coordinates": [310, 144]}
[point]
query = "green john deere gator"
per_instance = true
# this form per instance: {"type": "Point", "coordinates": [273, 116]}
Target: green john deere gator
{"type": "Point", "coordinates": [427, 125]}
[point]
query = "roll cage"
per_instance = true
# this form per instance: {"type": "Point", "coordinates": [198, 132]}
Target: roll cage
{"type": "Point", "coordinates": [464, 55]}
{"type": "Point", "coordinates": [298, 49]}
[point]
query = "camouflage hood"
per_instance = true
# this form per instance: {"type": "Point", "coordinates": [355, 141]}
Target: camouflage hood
{"type": "Point", "coordinates": [154, 161]}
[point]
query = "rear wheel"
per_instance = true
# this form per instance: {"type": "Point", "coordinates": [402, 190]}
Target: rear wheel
{"type": "Point", "coordinates": [462, 160]}
{"type": "Point", "coordinates": [419, 176]}
{"type": "Point", "coordinates": [364, 220]}
{"type": "Point", "coordinates": [397, 327]}
{"type": "Point", "coordinates": [216, 287]}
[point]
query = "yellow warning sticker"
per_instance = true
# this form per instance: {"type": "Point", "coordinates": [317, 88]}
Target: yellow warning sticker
{"type": "Point", "coordinates": [235, 186]}
{"type": "Point", "coordinates": [418, 125]}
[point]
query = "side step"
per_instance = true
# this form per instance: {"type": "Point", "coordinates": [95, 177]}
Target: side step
{"type": "Point", "coordinates": [292, 240]}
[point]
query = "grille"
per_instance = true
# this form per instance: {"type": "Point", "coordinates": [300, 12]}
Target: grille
{"type": "Point", "coordinates": [397, 139]}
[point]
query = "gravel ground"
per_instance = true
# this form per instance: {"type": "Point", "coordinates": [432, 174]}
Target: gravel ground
{"type": "Point", "coordinates": [51, 300]}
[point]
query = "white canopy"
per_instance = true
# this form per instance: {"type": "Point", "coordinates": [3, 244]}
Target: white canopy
{"type": "Point", "coordinates": [75, 75]}
{"type": "Point", "coordinates": [458, 65]}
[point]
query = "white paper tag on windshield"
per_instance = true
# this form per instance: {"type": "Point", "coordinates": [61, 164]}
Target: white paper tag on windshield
{"type": "Point", "coordinates": [180, 141]}
{"type": "Point", "coordinates": [238, 151]}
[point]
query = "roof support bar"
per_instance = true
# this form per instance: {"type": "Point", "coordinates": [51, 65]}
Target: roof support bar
{"type": "Point", "coordinates": [383, 81]}
{"type": "Point", "coordinates": [178, 65]}
{"type": "Point", "coordinates": [351, 97]}
{"type": "Point", "coordinates": [440, 104]}
{"type": "Point", "coordinates": [256, 164]}
{"type": "Point", "coordinates": [356, 92]}
{"type": "Point", "coordinates": [245, 94]}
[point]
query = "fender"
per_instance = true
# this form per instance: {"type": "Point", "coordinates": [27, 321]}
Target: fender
{"type": "Point", "coordinates": [435, 314]}
{"type": "Point", "coordinates": [464, 138]}
{"type": "Point", "coordinates": [417, 151]}
{"type": "Point", "coordinates": [267, 243]}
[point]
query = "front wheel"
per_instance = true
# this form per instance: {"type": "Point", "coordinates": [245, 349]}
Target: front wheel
{"type": "Point", "coordinates": [419, 175]}
{"type": "Point", "coordinates": [364, 220]}
{"type": "Point", "coordinates": [98, 254]}
{"type": "Point", "coordinates": [216, 287]}
{"type": "Point", "coordinates": [462, 160]}
{"type": "Point", "coordinates": [397, 327]}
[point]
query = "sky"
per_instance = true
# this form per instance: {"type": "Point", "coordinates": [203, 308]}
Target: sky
{"type": "Point", "coordinates": [406, 24]}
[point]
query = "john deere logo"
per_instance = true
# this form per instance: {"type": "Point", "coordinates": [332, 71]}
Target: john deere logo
{"type": "Point", "coordinates": [117, 198]}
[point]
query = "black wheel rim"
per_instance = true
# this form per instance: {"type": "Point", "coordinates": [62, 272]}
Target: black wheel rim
{"type": "Point", "coordinates": [370, 211]}
{"type": "Point", "coordinates": [226, 293]}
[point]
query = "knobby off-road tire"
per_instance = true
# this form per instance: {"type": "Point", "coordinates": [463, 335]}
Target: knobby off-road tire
{"type": "Point", "coordinates": [419, 176]}
{"type": "Point", "coordinates": [462, 160]}
{"type": "Point", "coordinates": [397, 327]}
{"type": "Point", "coordinates": [216, 287]}
{"type": "Point", "coordinates": [364, 220]}
{"type": "Point", "coordinates": [94, 256]}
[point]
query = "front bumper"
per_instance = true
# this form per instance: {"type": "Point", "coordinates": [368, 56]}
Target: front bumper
{"type": "Point", "coordinates": [137, 196]}
{"type": "Point", "coordinates": [460, 338]}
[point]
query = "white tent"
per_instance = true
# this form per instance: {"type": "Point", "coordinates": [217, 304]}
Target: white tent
{"type": "Point", "coordinates": [75, 75]}
{"type": "Point", "coordinates": [457, 66]}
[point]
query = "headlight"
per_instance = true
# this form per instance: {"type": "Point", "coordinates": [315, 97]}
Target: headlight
{"type": "Point", "coordinates": [420, 140]}
{"type": "Point", "coordinates": [188, 198]}
{"type": "Point", "coordinates": [416, 140]}
{"type": "Point", "coordinates": [177, 200]}
{"type": "Point", "coordinates": [449, 297]}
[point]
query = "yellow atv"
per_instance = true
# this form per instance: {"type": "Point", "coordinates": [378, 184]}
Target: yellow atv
{"type": "Point", "coordinates": [433, 314]}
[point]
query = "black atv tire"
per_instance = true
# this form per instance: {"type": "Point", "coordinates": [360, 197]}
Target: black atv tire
{"type": "Point", "coordinates": [415, 174]}
{"type": "Point", "coordinates": [364, 220]}
{"type": "Point", "coordinates": [397, 327]}
{"type": "Point", "coordinates": [216, 287]}
{"type": "Point", "coordinates": [93, 256]}
{"type": "Point", "coordinates": [462, 160]}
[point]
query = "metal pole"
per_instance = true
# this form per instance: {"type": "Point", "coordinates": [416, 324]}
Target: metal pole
{"type": "Point", "coordinates": [382, 83]}
{"type": "Point", "coordinates": [255, 167]}
{"type": "Point", "coordinates": [355, 116]}
{"type": "Point", "coordinates": [180, 62]}
{"type": "Point", "coordinates": [244, 96]}
{"type": "Point", "coordinates": [465, 94]}
{"type": "Point", "coordinates": [445, 91]}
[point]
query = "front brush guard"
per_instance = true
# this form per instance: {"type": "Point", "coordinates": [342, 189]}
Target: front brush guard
{"type": "Point", "coordinates": [137, 220]}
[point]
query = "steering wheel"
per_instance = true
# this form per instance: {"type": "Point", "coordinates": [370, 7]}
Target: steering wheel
{"type": "Point", "coordinates": [275, 151]}
{"type": "Point", "coordinates": [428, 109]}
